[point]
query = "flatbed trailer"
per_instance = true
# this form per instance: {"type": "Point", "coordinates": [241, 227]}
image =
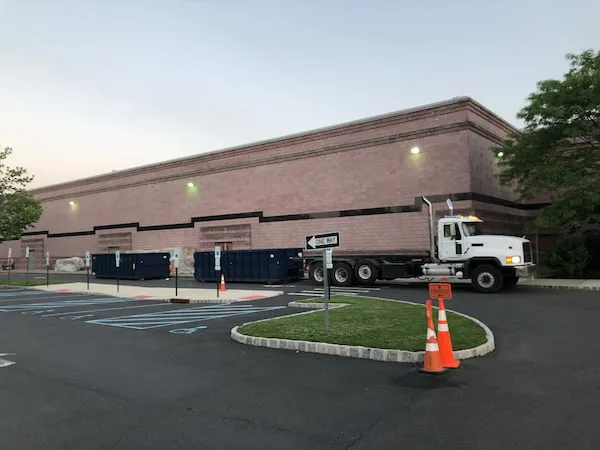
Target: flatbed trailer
{"type": "Point", "coordinates": [458, 250]}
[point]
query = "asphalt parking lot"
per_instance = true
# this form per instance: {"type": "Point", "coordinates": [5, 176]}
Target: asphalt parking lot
{"type": "Point", "coordinates": [97, 372]}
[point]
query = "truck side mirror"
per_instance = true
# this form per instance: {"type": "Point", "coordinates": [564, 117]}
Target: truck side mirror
{"type": "Point", "coordinates": [453, 231]}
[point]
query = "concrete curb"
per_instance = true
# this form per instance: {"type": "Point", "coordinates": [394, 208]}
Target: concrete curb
{"type": "Point", "coordinates": [561, 287]}
{"type": "Point", "coordinates": [168, 299]}
{"type": "Point", "coordinates": [375, 354]}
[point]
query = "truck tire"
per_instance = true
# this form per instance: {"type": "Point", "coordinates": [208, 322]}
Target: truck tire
{"type": "Point", "coordinates": [365, 272]}
{"type": "Point", "coordinates": [316, 273]}
{"type": "Point", "coordinates": [487, 279]}
{"type": "Point", "coordinates": [342, 274]}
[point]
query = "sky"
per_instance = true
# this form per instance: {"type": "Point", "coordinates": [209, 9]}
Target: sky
{"type": "Point", "coordinates": [91, 86]}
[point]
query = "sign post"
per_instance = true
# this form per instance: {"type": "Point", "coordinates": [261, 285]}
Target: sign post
{"type": "Point", "coordinates": [218, 266]}
{"type": "Point", "coordinates": [176, 261]}
{"type": "Point", "coordinates": [47, 269]}
{"type": "Point", "coordinates": [87, 269]}
{"type": "Point", "coordinates": [326, 242]}
{"type": "Point", "coordinates": [9, 262]}
{"type": "Point", "coordinates": [27, 258]}
{"type": "Point", "coordinates": [117, 263]}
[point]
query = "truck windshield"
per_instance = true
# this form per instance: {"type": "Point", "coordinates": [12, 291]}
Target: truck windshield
{"type": "Point", "coordinates": [471, 228]}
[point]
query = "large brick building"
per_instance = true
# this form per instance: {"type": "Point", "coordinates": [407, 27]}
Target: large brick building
{"type": "Point", "coordinates": [360, 178]}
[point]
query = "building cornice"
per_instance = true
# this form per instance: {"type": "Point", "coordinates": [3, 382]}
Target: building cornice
{"type": "Point", "coordinates": [394, 118]}
{"type": "Point", "coordinates": [353, 146]}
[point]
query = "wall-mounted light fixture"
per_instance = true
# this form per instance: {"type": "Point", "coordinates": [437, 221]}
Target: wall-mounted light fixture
{"type": "Point", "coordinates": [415, 150]}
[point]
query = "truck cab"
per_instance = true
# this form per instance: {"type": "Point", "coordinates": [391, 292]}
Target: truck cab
{"type": "Point", "coordinates": [460, 240]}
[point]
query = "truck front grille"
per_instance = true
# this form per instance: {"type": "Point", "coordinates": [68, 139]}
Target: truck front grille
{"type": "Point", "coordinates": [527, 255]}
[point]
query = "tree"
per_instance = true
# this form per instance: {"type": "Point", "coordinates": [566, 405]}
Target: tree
{"type": "Point", "coordinates": [18, 209]}
{"type": "Point", "coordinates": [557, 154]}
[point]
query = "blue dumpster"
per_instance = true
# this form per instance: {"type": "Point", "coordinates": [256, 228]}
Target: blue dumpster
{"type": "Point", "coordinates": [260, 266]}
{"type": "Point", "coordinates": [133, 266]}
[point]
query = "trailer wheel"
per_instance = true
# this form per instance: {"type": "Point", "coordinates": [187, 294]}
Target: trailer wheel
{"type": "Point", "coordinates": [315, 273]}
{"type": "Point", "coordinates": [365, 272]}
{"type": "Point", "coordinates": [342, 274]}
{"type": "Point", "coordinates": [487, 279]}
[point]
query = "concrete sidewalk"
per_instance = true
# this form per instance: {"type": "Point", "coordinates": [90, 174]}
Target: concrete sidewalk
{"type": "Point", "coordinates": [549, 283]}
{"type": "Point", "coordinates": [160, 293]}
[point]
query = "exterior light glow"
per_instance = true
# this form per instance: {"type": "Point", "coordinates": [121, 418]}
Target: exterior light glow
{"type": "Point", "coordinates": [500, 154]}
{"type": "Point", "coordinates": [190, 185]}
{"type": "Point", "coordinates": [415, 150]}
{"type": "Point", "coordinates": [72, 203]}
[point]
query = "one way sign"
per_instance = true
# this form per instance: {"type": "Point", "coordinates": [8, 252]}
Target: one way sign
{"type": "Point", "coordinates": [319, 241]}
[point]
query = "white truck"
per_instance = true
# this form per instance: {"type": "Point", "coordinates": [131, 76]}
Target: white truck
{"type": "Point", "coordinates": [459, 250]}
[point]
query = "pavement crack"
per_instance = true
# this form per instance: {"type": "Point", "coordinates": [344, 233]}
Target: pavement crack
{"type": "Point", "coordinates": [269, 427]}
{"type": "Point", "coordinates": [412, 400]}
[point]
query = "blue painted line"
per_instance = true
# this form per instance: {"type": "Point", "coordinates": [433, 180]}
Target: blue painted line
{"type": "Point", "coordinates": [179, 316]}
{"type": "Point", "coordinates": [50, 297]}
{"type": "Point", "coordinates": [103, 309]}
{"type": "Point", "coordinates": [21, 293]}
{"type": "Point", "coordinates": [62, 304]}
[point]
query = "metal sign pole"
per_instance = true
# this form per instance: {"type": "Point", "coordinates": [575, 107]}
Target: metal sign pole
{"type": "Point", "coordinates": [87, 269]}
{"type": "Point", "coordinates": [27, 271]}
{"type": "Point", "coordinates": [117, 263]}
{"type": "Point", "coordinates": [47, 269]}
{"type": "Point", "coordinates": [218, 270]}
{"type": "Point", "coordinates": [326, 288]}
{"type": "Point", "coordinates": [176, 279]}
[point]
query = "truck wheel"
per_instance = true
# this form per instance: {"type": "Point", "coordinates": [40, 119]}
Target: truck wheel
{"type": "Point", "coordinates": [342, 274]}
{"type": "Point", "coordinates": [487, 279]}
{"type": "Point", "coordinates": [365, 272]}
{"type": "Point", "coordinates": [315, 273]}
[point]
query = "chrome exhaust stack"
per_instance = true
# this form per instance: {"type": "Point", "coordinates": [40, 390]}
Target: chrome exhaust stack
{"type": "Point", "coordinates": [431, 231]}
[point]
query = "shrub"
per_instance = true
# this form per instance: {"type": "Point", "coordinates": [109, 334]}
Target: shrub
{"type": "Point", "coordinates": [570, 257]}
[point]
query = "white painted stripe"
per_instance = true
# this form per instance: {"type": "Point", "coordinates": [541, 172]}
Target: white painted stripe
{"type": "Point", "coordinates": [322, 294]}
{"type": "Point", "coordinates": [356, 289]}
{"type": "Point", "coordinates": [68, 313]}
{"type": "Point", "coordinates": [431, 348]}
{"type": "Point", "coordinates": [442, 315]}
{"type": "Point", "coordinates": [443, 327]}
{"type": "Point", "coordinates": [50, 297]}
{"type": "Point", "coordinates": [187, 317]}
{"type": "Point", "coordinates": [430, 333]}
{"type": "Point", "coordinates": [315, 295]}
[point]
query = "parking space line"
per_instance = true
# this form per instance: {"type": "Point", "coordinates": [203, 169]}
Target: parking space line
{"type": "Point", "coordinates": [180, 316]}
{"type": "Point", "coordinates": [50, 297]}
{"type": "Point", "coordinates": [64, 313]}
{"type": "Point", "coordinates": [62, 304]}
{"type": "Point", "coordinates": [21, 293]}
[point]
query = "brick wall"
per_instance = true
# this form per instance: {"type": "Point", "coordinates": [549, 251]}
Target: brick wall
{"type": "Point", "coordinates": [360, 166]}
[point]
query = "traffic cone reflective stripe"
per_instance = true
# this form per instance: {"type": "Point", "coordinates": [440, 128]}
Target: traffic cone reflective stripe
{"type": "Point", "coordinates": [433, 360]}
{"type": "Point", "coordinates": [444, 340]}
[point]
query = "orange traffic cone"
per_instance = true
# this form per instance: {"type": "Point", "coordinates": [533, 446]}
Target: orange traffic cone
{"type": "Point", "coordinates": [223, 288]}
{"type": "Point", "coordinates": [433, 359]}
{"type": "Point", "coordinates": [444, 340]}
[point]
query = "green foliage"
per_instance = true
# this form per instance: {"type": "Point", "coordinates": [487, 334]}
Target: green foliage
{"type": "Point", "coordinates": [18, 209]}
{"type": "Point", "coordinates": [569, 258]}
{"type": "Point", "coordinates": [558, 152]}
